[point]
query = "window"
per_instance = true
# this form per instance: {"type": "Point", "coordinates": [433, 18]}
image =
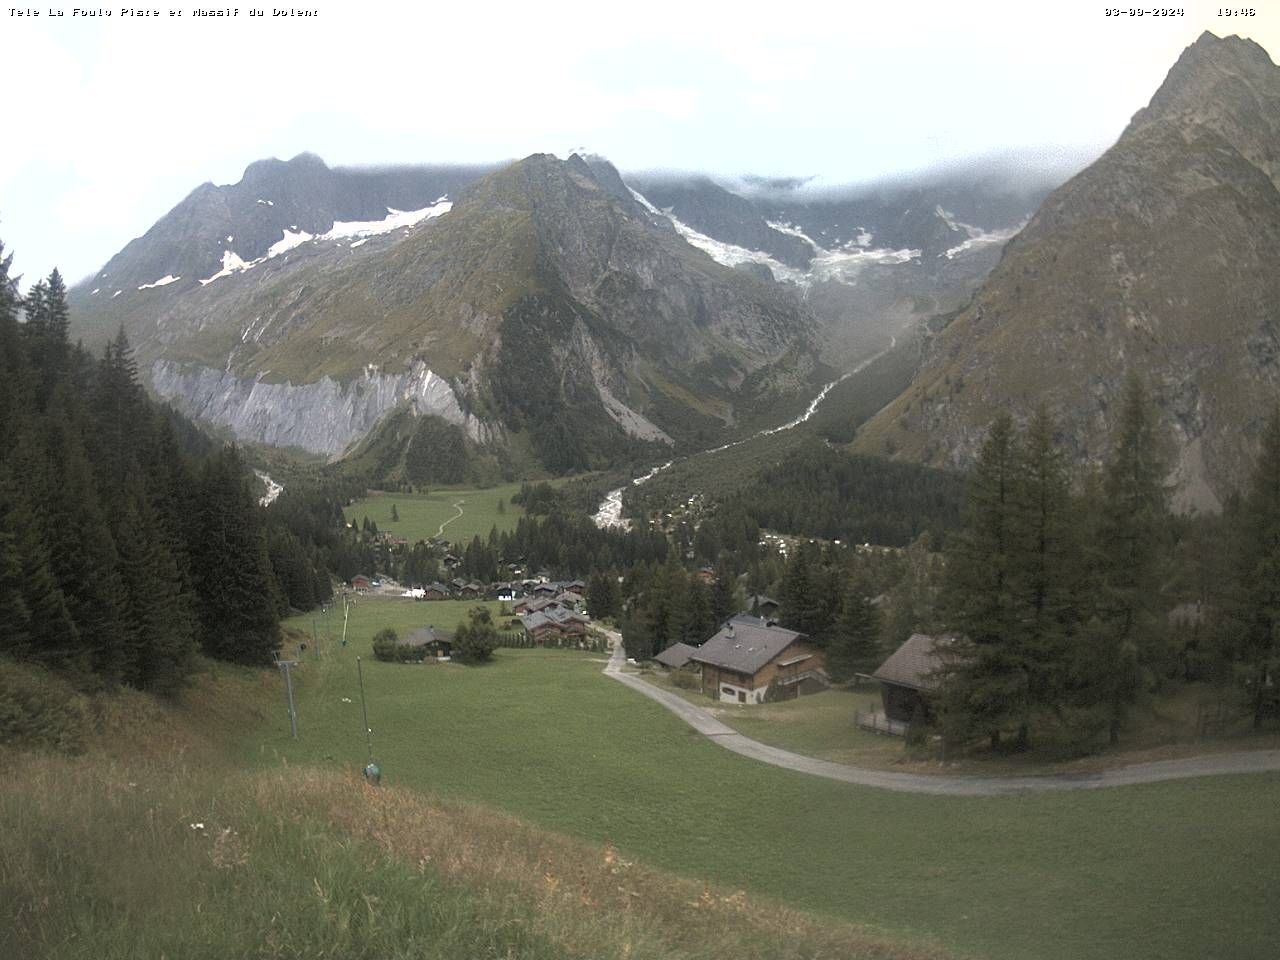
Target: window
{"type": "Point", "coordinates": [727, 691]}
{"type": "Point", "coordinates": [742, 697]}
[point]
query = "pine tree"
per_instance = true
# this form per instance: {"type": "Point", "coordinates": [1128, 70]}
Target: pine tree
{"type": "Point", "coordinates": [855, 643]}
{"type": "Point", "coordinates": [235, 588]}
{"type": "Point", "coordinates": [1254, 600]}
{"type": "Point", "coordinates": [986, 687]}
{"type": "Point", "coordinates": [1130, 541]}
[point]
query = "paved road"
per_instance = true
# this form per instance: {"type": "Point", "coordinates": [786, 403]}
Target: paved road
{"type": "Point", "coordinates": [1254, 761]}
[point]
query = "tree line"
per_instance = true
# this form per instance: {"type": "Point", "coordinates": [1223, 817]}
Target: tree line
{"type": "Point", "coordinates": [1060, 599]}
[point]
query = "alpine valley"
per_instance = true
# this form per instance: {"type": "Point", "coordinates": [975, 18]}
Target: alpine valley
{"type": "Point", "coordinates": [562, 317]}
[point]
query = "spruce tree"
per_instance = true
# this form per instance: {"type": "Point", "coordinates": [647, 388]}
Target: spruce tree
{"type": "Point", "coordinates": [1253, 602]}
{"type": "Point", "coordinates": [1128, 633]}
{"type": "Point", "coordinates": [986, 686]}
{"type": "Point", "coordinates": [855, 642]}
{"type": "Point", "coordinates": [235, 589]}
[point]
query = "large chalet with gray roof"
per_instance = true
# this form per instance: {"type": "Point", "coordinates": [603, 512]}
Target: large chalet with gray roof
{"type": "Point", "coordinates": [748, 654]}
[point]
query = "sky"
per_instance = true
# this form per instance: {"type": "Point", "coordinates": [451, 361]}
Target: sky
{"type": "Point", "coordinates": [111, 121]}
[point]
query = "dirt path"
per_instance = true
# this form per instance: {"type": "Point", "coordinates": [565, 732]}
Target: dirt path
{"type": "Point", "coordinates": [457, 505]}
{"type": "Point", "coordinates": [1254, 761]}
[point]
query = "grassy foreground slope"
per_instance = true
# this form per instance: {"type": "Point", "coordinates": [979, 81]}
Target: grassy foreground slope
{"type": "Point", "coordinates": [155, 844]}
{"type": "Point", "coordinates": [1181, 869]}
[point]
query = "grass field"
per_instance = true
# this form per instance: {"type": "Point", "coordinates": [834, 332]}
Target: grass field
{"type": "Point", "coordinates": [822, 725]}
{"type": "Point", "coordinates": [1181, 869]}
{"type": "Point", "coordinates": [421, 515]}
{"type": "Point", "coordinates": [155, 843]}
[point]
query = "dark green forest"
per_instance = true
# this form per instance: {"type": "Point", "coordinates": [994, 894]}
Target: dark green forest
{"type": "Point", "coordinates": [129, 541]}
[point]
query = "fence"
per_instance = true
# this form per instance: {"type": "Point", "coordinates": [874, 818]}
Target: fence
{"type": "Point", "coordinates": [879, 723]}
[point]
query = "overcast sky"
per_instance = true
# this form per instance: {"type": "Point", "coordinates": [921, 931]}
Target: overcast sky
{"type": "Point", "coordinates": [111, 121]}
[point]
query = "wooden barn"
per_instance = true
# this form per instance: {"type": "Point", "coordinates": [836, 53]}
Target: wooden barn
{"type": "Point", "coordinates": [908, 676]}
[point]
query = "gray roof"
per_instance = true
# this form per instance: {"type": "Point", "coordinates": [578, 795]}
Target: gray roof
{"type": "Point", "coordinates": [744, 647]}
{"type": "Point", "coordinates": [426, 636]}
{"type": "Point", "coordinates": [676, 655]}
{"type": "Point", "coordinates": [912, 664]}
{"type": "Point", "coordinates": [556, 615]}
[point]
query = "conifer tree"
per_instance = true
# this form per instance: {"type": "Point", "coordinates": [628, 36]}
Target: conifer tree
{"type": "Point", "coordinates": [986, 686]}
{"type": "Point", "coordinates": [855, 642]}
{"type": "Point", "coordinates": [1254, 600]}
{"type": "Point", "coordinates": [235, 589]}
{"type": "Point", "coordinates": [1130, 544]}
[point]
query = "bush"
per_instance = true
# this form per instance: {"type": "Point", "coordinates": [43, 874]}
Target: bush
{"type": "Point", "coordinates": [385, 644]}
{"type": "Point", "coordinates": [37, 709]}
{"type": "Point", "coordinates": [475, 640]}
{"type": "Point", "coordinates": [685, 679]}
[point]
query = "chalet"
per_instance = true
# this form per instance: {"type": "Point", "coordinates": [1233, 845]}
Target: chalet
{"type": "Point", "coordinates": [675, 656]}
{"type": "Point", "coordinates": [546, 589]}
{"type": "Point", "coordinates": [361, 582]}
{"type": "Point", "coordinates": [439, 643]}
{"type": "Point", "coordinates": [763, 606]}
{"type": "Point", "coordinates": [705, 575]}
{"type": "Point", "coordinates": [553, 623]}
{"type": "Point", "coordinates": [435, 591]}
{"type": "Point", "coordinates": [574, 586]}
{"type": "Point", "coordinates": [470, 590]}
{"type": "Point", "coordinates": [908, 676]}
{"type": "Point", "coordinates": [450, 561]}
{"type": "Point", "coordinates": [741, 661]}
{"type": "Point", "coordinates": [456, 584]}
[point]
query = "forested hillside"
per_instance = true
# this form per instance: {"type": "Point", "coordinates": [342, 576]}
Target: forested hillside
{"type": "Point", "coordinates": [128, 540]}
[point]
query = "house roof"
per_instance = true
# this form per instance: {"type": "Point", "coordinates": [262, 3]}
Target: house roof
{"type": "Point", "coordinates": [912, 664]}
{"type": "Point", "coordinates": [426, 636]}
{"type": "Point", "coordinates": [676, 655]}
{"type": "Point", "coordinates": [744, 647]}
{"type": "Point", "coordinates": [762, 599]}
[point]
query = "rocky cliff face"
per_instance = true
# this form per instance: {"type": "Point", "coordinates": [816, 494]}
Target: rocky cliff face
{"type": "Point", "coordinates": [320, 417]}
{"type": "Point", "coordinates": [1160, 259]}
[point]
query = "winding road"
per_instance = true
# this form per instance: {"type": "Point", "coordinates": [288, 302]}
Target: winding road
{"type": "Point", "coordinates": [1252, 761]}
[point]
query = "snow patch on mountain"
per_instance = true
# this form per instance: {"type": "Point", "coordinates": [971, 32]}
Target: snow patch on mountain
{"type": "Point", "coordinates": [162, 282]}
{"type": "Point", "coordinates": [341, 230]}
{"type": "Point", "coordinates": [982, 238]}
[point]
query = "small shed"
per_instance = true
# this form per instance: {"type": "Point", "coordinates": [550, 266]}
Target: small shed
{"type": "Point", "coordinates": [762, 606]}
{"type": "Point", "coordinates": [910, 673]}
{"type": "Point", "coordinates": [675, 656]}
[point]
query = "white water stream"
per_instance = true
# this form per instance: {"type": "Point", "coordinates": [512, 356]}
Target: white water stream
{"type": "Point", "coordinates": [610, 512]}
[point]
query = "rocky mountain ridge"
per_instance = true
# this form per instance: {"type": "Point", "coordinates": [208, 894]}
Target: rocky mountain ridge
{"type": "Point", "coordinates": [1158, 259]}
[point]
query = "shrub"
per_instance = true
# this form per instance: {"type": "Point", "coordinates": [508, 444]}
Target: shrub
{"type": "Point", "coordinates": [685, 679]}
{"type": "Point", "coordinates": [385, 644]}
{"type": "Point", "coordinates": [37, 709]}
{"type": "Point", "coordinates": [475, 640]}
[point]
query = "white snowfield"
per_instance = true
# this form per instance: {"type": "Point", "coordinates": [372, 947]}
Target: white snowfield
{"type": "Point", "coordinates": [358, 230]}
{"type": "Point", "coordinates": [843, 262]}
{"type": "Point", "coordinates": [162, 282]}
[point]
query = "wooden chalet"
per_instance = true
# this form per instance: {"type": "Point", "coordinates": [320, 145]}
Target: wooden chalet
{"type": "Point", "coordinates": [705, 575]}
{"type": "Point", "coordinates": [439, 643]}
{"type": "Point", "coordinates": [553, 623]}
{"type": "Point", "coordinates": [908, 676]}
{"type": "Point", "coordinates": [361, 582]}
{"type": "Point", "coordinates": [435, 591]}
{"type": "Point", "coordinates": [746, 656]}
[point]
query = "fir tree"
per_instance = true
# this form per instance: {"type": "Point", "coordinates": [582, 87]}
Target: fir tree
{"type": "Point", "coordinates": [986, 686]}
{"type": "Point", "coordinates": [855, 643]}
{"type": "Point", "coordinates": [1130, 542]}
{"type": "Point", "coordinates": [1254, 601]}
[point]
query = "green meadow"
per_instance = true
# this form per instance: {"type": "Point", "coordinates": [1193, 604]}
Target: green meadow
{"type": "Point", "coordinates": [423, 515]}
{"type": "Point", "coordinates": [1180, 869]}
